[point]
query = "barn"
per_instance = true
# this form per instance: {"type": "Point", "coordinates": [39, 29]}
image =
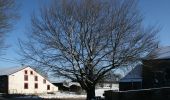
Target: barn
{"type": "Point", "coordinates": [153, 73]}
{"type": "Point", "coordinates": [24, 80]}
{"type": "Point", "coordinates": [133, 80]}
{"type": "Point", "coordinates": [156, 68]}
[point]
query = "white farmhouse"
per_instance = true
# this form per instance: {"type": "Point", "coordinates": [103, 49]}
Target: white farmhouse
{"type": "Point", "coordinates": [24, 80]}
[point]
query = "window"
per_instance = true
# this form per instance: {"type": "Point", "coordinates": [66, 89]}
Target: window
{"type": "Point", "coordinates": [36, 85]}
{"type": "Point", "coordinates": [31, 72]}
{"type": "Point", "coordinates": [48, 87]}
{"type": "Point", "coordinates": [25, 85]}
{"type": "Point", "coordinates": [25, 71]}
{"type": "Point", "coordinates": [25, 77]}
{"type": "Point", "coordinates": [36, 78]}
{"type": "Point", "coordinates": [44, 81]}
{"type": "Point", "coordinates": [167, 74]}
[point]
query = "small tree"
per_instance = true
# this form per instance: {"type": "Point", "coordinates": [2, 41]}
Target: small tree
{"type": "Point", "coordinates": [7, 16]}
{"type": "Point", "coordinates": [83, 40]}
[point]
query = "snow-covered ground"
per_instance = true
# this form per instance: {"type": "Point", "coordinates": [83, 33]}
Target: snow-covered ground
{"type": "Point", "coordinates": [65, 95]}
{"type": "Point", "coordinates": [99, 92]}
{"type": "Point", "coordinates": [62, 95]}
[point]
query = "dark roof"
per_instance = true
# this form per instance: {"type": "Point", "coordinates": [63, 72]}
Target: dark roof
{"type": "Point", "coordinates": [159, 53]}
{"type": "Point", "coordinates": [108, 81]}
{"type": "Point", "coordinates": [135, 75]}
{"type": "Point", "coordinates": [11, 70]}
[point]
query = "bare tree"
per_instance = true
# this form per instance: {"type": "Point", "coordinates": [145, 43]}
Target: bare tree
{"type": "Point", "coordinates": [83, 40]}
{"type": "Point", "coordinates": [8, 14]}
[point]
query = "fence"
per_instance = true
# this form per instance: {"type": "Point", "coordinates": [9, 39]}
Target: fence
{"type": "Point", "coordinates": [142, 94]}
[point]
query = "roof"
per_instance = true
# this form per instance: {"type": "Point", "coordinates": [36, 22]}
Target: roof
{"type": "Point", "coordinates": [135, 75]}
{"type": "Point", "coordinates": [68, 84]}
{"type": "Point", "coordinates": [159, 53]}
{"type": "Point", "coordinates": [11, 70]}
{"type": "Point", "coordinates": [108, 81]}
{"type": "Point", "coordinates": [73, 83]}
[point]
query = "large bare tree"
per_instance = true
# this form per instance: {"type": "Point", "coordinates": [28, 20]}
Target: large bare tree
{"type": "Point", "coordinates": [83, 40]}
{"type": "Point", "coordinates": [8, 14]}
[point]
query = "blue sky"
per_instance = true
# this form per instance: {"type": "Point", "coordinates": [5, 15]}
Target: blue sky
{"type": "Point", "coordinates": [157, 12]}
{"type": "Point", "coordinates": [154, 12]}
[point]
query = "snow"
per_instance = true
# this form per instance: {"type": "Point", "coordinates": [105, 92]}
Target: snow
{"type": "Point", "coordinates": [72, 95]}
{"type": "Point", "coordinates": [71, 83]}
{"type": "Point", "coordinates": [62, 95]}
{"type": "Point", "coordinates": [57, 95]}
{"type": "Point", "coordinates": [65, 95]}
{"type": "Point", "coordinates": [100, 92]}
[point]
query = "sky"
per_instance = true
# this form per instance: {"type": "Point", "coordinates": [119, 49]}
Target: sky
{"type": "Point", "coordinates": [155, 12]}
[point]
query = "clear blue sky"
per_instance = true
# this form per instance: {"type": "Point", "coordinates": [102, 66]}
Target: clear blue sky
{"type": "Point", "coordinates": [154, 12]}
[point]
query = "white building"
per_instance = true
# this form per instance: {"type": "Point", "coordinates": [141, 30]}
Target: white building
{"type": "Point", "coordinates": [24, 80]}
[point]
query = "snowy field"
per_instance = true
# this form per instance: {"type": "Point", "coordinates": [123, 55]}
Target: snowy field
{"type": "Point", "coordinates": [65, 95]}
{"type": "Point", "coordinates": [62, 95]}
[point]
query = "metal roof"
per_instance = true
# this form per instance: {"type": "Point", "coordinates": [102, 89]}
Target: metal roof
{"type": "Point", "coordinates": [11, 70]}
{"type": "Point", "coordinates": [159, 53]}
{"type": "Point", "coordinates": [135, 75]}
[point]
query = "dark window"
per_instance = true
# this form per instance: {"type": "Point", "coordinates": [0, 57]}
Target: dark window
{"type": "Point", "coordinates": [48, 87]}
{"type": "Point", "coordinates": [44, 81]}
{"type": "Point", "coordinates": [36, 78]}
{"type": "Point", "coordinates": [31, 72]}
{"type": "Point", "coordinates": [25, 71]}
{"type": "Point", "coordinates": [167, 74]}
{"type": "Point", "coordinates": [36, 86]}
{"type": "Point", "coordinates": [25, 77]}
{"type": "Point", "coordinates": [25, 85]}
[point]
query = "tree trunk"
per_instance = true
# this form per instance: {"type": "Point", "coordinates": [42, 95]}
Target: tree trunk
{"type": "Point", "coordinates": [90, 93]}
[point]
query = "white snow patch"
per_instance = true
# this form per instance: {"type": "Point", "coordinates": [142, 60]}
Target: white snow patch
{"type": "Point", "coordinates": [62, 95]}
{"type": "Point", "coordinates": [100, 92]}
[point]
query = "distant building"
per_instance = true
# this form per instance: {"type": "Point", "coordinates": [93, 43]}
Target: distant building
{"type": "Point", "coordinates": [61, 87]}
{"type": "Point", "coordinates": [107, 84]}
{"type": "Point", "coordinates": [24, 80]}
{"type": "Point", "coordinates": [68, 86]}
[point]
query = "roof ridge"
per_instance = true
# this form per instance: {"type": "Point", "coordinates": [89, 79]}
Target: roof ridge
{"type": "Point", "coordinates": [11, 70]}
{"type": "Point", "coordinates": [159, 53]}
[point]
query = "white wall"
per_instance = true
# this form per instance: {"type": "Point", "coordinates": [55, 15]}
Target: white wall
{"type": "Point", "coordinates": [16, 83]}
